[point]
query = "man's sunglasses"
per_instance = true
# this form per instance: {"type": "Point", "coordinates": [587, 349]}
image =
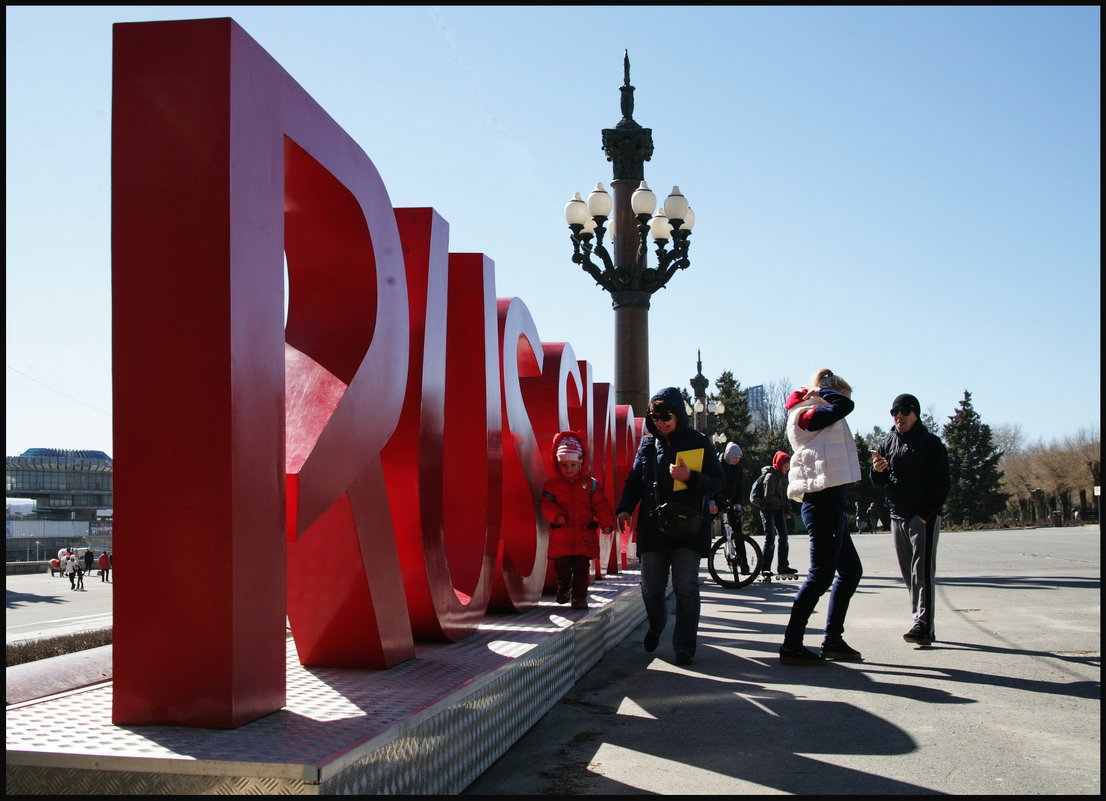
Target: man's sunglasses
{"type": "Point", "coordinates": [903, 412]}
{"type": "Point", "coordinates": [661, 417]}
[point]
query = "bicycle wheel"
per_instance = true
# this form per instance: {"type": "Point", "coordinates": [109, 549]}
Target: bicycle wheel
{"type": "Point", "coordinates": [753, 558]}
{"type": "Point", "coordinates": [726, 572]}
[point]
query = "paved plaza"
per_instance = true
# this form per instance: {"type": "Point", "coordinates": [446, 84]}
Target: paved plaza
{"type": "Point", "coordinates": [1007, 701]}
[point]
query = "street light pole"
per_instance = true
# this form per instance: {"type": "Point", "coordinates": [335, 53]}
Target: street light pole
{"type": "Point", "coordinates": [633, 216]}
{"type": "Point", "coordinates": [705, 409]}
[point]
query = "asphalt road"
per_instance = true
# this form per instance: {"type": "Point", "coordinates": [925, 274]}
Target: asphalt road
{"type": "Point", "coordinates": [41, 605]}
{"type": "Point", "coordinates": [1007, 701]}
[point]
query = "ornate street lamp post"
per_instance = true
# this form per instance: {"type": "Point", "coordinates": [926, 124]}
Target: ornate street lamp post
{"type": "Point", "coordinates": [629, 219]}
{"type": "Point", "coordinates": [705, 409]}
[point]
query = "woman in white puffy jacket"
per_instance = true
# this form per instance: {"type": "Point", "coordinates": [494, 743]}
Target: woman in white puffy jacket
{"type": "Point", "coordinates": [823, 465]}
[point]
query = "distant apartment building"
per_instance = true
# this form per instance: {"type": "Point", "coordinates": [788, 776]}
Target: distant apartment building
{"type": "Point", "coordinates": [758, 405]}
{"type": "Point", "coordinates": [64, 484]}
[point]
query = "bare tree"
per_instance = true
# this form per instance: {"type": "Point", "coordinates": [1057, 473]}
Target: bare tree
{"type": "Point", "coordinates": [1008, 437]}
{"type": "Point", "coordinates": [1043, 477]}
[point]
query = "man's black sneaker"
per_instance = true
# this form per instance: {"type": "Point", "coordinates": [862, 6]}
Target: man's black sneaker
{"type": "Point", "coordinates": [788, 571]}
{"type": "Point", "coordinates": [652, 640]}
{"type": "Point", "coordinates": [918, 635]}
{"type": "Point", "coordinates": [790, 655]}
{"type": "Point", "coordinates": [683, 658]}
{"type": "Point", "coordinates": [840, 650]}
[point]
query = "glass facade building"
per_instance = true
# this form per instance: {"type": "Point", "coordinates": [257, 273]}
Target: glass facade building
{"type": "Point", "coordinates": [65, 485]}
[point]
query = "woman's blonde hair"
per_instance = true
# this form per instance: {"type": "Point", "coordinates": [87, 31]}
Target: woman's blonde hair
{"type": "Point", "coordinates": [826, 378]}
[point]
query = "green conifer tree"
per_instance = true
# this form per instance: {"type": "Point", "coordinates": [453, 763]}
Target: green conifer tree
{"type": "Point", "coordinates": [734, 421]}
{"type": "Point", "coordinates": [975, 494]}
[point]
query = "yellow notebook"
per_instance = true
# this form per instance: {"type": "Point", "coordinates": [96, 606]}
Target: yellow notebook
{"type": "Point", "coordinates": [694, 460]}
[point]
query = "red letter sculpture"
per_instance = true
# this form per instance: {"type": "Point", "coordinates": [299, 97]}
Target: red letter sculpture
{"type": "Point", "coordinates": [307, 465]}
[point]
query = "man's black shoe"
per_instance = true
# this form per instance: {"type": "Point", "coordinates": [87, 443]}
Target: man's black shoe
{"type": "Point", "coordinates": [918, 635]}
{"type": "Point", "coordinates": [652, 640]}
{"type": "Point", "coordinates": [798, 655]}
{"type": "Point", "coordinates": [683, 658]}
{"type": "Point", "coordinates": [840, 650]}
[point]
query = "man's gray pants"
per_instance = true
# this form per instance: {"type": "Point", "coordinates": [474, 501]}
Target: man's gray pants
{"type": "Point", "coordinates": [916, 547]}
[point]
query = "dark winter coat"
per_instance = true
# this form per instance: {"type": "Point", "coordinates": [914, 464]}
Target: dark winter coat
{"type": "Point", "coordinates": [583, 503]}
{"type": "Point", "coordinates": [775, 490]}
{"type": "Point", "coordinates": [733, 492]}
{"type": "Point", "coordinates": [917, 477]}
{"type": "Point", "coordinates": [654, 456]}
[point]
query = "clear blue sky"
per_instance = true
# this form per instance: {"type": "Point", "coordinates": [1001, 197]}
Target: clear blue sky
{"type": "Point", "coordinates": [908, 196]}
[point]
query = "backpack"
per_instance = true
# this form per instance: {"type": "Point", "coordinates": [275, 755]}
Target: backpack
{"type": "Point", "coordinates": [756, 494]}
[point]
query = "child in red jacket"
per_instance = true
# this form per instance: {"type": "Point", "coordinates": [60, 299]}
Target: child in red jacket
{"type": "Point", "coordinates": [575, 506]}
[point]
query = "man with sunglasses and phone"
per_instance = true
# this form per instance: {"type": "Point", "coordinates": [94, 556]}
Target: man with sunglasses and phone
{"type": "Point", "coordinates": [912, 466]}
{"type": "Point", "coordinates": [651, 483]}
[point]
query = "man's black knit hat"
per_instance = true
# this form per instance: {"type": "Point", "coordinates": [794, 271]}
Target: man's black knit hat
{"type": "Point", "coordinates": [907, 401]}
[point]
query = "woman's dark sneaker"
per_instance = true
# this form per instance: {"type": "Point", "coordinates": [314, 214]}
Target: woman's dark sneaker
{"type": "Point", "coordinates": [799, 655]}
{"type": "Point", "coordinates": [840, 650]}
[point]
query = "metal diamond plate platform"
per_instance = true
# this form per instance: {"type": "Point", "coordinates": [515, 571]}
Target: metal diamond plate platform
{"type": "Point", "coordinates": [428, 726]}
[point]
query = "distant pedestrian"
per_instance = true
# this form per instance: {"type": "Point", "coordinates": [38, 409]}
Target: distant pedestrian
{"type": "Point", "coordinates": [71, 571]}
{"type": "Point", "coordinates": [105, 566]}
{"type": "Point", "coordinates": [859, 520]}
{"type": "Point", "coordinates": [732, 495]}
{"type": "Point", "coordinates": [775, 514]}
{"type": "Point", "coordinates": [89, 558]}
{"type": "Point", "coordinates": [873, 517]}
{"type": "Point", "coordinates": [80, 573]}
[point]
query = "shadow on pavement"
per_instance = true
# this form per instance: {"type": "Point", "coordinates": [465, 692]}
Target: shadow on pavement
{"type": "Point", "coordinates": [13, 599]}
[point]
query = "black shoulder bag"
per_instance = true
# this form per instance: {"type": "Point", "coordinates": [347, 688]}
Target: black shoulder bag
{"type": "Point", "coordinates": [674, 519]}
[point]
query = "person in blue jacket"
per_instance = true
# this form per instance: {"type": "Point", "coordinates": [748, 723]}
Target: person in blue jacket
{"type": "Point", "coordinates": [649, 484]}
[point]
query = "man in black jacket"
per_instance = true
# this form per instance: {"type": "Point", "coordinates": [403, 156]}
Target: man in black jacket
{"type": "Point", "coordinates": [913, 467]}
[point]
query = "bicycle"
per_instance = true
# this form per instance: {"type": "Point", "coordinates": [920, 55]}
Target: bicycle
{"type": "Point", "coordinates": [729, 554]}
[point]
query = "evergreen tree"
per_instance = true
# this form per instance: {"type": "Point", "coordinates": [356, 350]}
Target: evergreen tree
{"type": "Point", "coordinates": [975, 495]}
{"type": "Point", "coordinates": [734, 421]}
{"type": "Point", "coordinates": [930, 422]}
{"type": "Point", "coordinates": [758, 443]}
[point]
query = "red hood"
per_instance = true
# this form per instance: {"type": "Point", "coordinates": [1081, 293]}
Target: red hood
{"type": "Point", "coordinates": [583, 446]}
